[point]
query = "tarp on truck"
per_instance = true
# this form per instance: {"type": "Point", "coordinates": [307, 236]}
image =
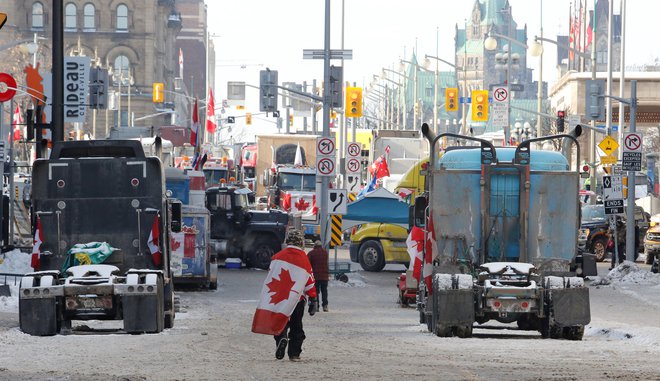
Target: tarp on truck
{"type": "Point", "coordinates": [380, 205]}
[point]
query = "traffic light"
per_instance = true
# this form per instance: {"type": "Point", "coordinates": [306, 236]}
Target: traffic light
{"type": "Point", "coordinates": [291, 120]}
{"type": "Point", "coordinates": [158, 92]}
{"type": "Point", "coordinates": [353, 102]}
{"type": "Point", "coordinates": [480, 105]}
{"type": "Point", "coordinates": [268, 90]}
{"type": "Point", "coordinates": [451, 99]}
{"type": "Point", "coordinates": [248, 118]}
{"type": "Point", "coordinates": [560, 120]}
{"type": "Point", "coordinates": [594, 99]}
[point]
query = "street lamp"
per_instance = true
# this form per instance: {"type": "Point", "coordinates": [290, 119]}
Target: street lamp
{"type": "Point", "coordinates": [383, 76]}
{"type": "Point", "coordinates": [401, 100]}
{"type": "Point", "coordinates": [426, 64]}
{"type": "Point", "coordinates": [415, 107]}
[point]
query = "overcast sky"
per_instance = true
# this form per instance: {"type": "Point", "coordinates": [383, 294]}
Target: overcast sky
{"type": "Point", "coordinates": [273, 34]}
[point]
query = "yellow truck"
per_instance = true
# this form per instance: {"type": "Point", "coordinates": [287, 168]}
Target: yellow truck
{"type": "Point", "coordinates": [375, 244]}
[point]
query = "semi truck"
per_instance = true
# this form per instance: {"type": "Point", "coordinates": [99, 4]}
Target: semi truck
{"type": "Point", "coordinates": [253, 236]}
{"type": "Point", "coordinates": [89, 195]}
{"type": "Point", "coordinates": [292, 189]}
{"type": "Point", "coordinates": [501, 236]}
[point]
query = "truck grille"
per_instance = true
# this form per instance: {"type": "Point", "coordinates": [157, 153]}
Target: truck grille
{"type": "Point", "coordinates": [653, 236]}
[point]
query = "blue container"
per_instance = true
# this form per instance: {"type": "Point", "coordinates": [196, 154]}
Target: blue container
{"type": "Point", "coordinates": [180, 189]}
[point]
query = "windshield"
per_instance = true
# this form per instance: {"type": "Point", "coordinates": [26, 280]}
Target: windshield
{"type": "Point", "coordinates": [592, 213]}
{"type": "Point", "coordinates": [297, 181]}
{"type": "Point", "coordinates": [241, 200]}
{"type": "Point", "coordinates": [213, 176]}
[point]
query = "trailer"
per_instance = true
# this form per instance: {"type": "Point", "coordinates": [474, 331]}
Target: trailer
{"type": "Point", "coordinates": [102, 224]}
{"type": "Point", "coordinates": [502, 238]}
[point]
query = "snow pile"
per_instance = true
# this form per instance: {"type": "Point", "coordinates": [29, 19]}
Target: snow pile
{"type": "Point", "coordinates": [627, 272]}
{"type": "Point", "coordinates": [647, 336]}
{"type": "Point", "coordinates": [15, 262]}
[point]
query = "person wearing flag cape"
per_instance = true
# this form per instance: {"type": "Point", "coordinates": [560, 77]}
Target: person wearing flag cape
{"type": "Point", "coordinates": [290, 282]}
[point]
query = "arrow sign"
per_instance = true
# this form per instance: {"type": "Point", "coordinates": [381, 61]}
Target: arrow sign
{"type": "Point", "coordinates": [325, 146]}
{"type": "Point", "coordinates": [353, 149]}
{"type": "Point", "coordinates": [632, 142]}
{"type": "Point", "coordinates": [325, 166]}
{"type": "Point", "coordinates": [337, 201]}
{"type": "Point", "coordinates": [353, 165]}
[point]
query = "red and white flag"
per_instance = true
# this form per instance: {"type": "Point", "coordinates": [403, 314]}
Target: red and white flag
{"type": "Point", "coordinates": [289, 279]}
{"type": "Point", "coordinates": [18, 124]}
{"type": "Point", "coordinates": [180, 63]}
{"type": "Point", "coordinates": [36, 247]}
{"type": "Point", "coordinates": [430, 253]}
{"type": "Point", "coordinates": [156, 255]}
{"type": "Point", "coordinates": [415, 244]}
{"type": "Point", "coordinates": [194, 127]}
{"type": "Point", "coordinates": [210, 114]}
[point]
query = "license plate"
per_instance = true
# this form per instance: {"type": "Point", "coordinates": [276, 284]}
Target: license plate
{"type": "Point", "coordinates": [87, 303]}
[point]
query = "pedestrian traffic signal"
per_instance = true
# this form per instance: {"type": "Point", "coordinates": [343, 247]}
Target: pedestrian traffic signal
{"type": "Point", "coordinates": [560, 121]}
{"type": "Point", "coordinates": [480, 105]}
{"type": "Point", "coordinates": [353, 102]}
{"type": "Point", "coordinates": [158, 92]}
{"type": "Point", "coordinates": [248, 118]}
{"type": "Point", "coordinates": [451, 99]}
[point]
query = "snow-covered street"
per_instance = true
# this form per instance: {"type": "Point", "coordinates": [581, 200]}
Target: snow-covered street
{"type": "Point", "coordinates": [366, 336]}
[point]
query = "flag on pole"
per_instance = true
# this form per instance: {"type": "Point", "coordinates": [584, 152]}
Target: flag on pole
{"type": "Point", "coordinates": [180, 63]}
{"type": "Point", "coordinates": [289, 279]}
{"type": "Point", "coordinates": [152, 242]}
{"type": "Point", "coordinates": [590, 31]}
{"type": "Point", "coordinates": [210, 114]}
{"type": "Point", "coordinates": [17, 123]}
{"type": "Point", "coordinates": [415, 245]}
{"type": "Point", "coordinates": [194, 127]}
{"type": "Point", "coordinates": [298, 159]}
{"type": "Point", "coordinates": [430, 253]}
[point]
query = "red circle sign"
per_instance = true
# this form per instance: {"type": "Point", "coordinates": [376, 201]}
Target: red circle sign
{"type": "Point", "coordinates": [9, 81]}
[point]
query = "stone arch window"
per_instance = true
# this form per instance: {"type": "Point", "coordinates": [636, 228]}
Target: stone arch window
{"type": "Point", "coordinates": [37, 15]}
{"type": "Point", "coordinates": [70, 15]}
{"type": "Point", "coordinates": [122, 66]}
{"type": "Point", "coordinates": [122, 17]}
{"type": "Point", "coordinates": [89, 17]}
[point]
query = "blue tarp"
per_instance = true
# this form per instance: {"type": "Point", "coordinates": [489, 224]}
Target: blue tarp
{"type": "Point", "coordinates": [377, 206]}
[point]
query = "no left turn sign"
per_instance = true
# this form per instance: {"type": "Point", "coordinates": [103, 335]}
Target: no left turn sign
{"type": "Point", "coordinates": [325, 146]}
{"type": "Point", "coordinates": [353, 165]}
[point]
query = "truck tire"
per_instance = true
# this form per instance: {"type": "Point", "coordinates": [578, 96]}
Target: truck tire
{"type": "Point", "coordinates": [574, 333]}
{"type": "Point", "coordinates": [599, 248]}
{"type": "Point", "coordinates": [650, 255]}
{"type": "Point", "coordinates": [371, 256]}
{"type": "Point", "coordinates": [170, 310]}
{"type": "Point", "coordinates": [464, 331]}
{"type": "Point", "coordinates": [261, 252]}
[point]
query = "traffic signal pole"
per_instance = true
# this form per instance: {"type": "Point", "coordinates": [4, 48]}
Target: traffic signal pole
{"type": "Point", "coordinates": [327, 99]}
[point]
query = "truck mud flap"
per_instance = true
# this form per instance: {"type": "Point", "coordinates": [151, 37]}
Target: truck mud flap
{"type": "Point", "coordinates": [571, 306]}
{"type": "Point", "coordinates": [454, 307]}
{"type": "Point", "coordinates": [38, 317]}
{"type": "Point", "coordinates": [141, 313]}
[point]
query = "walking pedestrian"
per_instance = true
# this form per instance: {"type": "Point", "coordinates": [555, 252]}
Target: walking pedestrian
{"type": "Point", "coordinates": [318, 257]}
{"type": "Point", "coordinates": [620, 234]}
{"type": "Point", "coordinates": [283, 298]}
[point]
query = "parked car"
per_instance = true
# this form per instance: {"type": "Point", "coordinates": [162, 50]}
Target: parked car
{"type": "Point", "coordinates": [652, 240]}
{"type": "Point", "coordinates": [595, 227]}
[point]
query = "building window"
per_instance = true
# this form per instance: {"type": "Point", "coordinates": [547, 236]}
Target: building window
{"type": "Point", "coordinates": [70, 17]}
{"type": "Point", "coordinates": [121, 67]}
{"type": "Point", "coordinates": [428, 92]}
{"type": "Point", "coordinates": [122, 17]}
{"type": "Point", "coordinates": [89, 20]}
{"type": "Point", "coordinates": [37, 15]}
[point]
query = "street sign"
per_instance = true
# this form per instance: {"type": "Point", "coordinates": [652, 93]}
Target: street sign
{"type": "Point", "coordinates": [7, 87]}
{"type": "Point", "coordinates": [76, 82]}
{"type": "Point", "coordinates": [608, 160]}
{"type": "Point", "coordinates": [337, 201]}
{"type": "Point", "coordinates": [613, 206]}
{"type": "Point", "coordinates": [499, 108]}
{"type": "Point", "coordinates": [325, 146]}
{"type": "Point", "coordinates": [353, 165]}
{"type": "Point", "coordinates": [335, 54]}
{"type": "Point", "coordinates": [574, 120]}
{"type": "Point", "coordinates": [353, 150]}
{"type": "Point", "coordinates": [353, 183]}
{"type": "Point", "coordinates": [632, 152]}
{"type": "Point", "coordinates": [608, 145]}
{"type": "Point", "coordinates": [612, 187]}
{"type": "Point", "coordinates": [325, 165]}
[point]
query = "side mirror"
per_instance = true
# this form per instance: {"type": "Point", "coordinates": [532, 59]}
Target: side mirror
{"type": "Point", "coordinates": [419, 211]}
{"type": "Point", "coordinates": [175, 223]}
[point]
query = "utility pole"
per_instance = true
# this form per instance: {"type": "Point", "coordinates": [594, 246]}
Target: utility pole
{"type": "Point", "coordinates": [57, 122]}
{"type": "Point", "coordinates": [327, 99]}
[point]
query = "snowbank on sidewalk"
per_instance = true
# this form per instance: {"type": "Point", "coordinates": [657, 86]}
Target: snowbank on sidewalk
{"type": "Point", "coordinates": [627, 272]}
{"type": "Point", "coordinates": [13, 262]}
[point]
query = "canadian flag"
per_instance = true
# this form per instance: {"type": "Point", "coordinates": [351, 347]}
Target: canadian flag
{"type": "Point", "coordinates": [289, 279]}
{"type": "Point", "coordinates": [156, 255]}
{"type": "Point", "coordinates": [36, 247]}
{"type": "Point", "coordinates": [210, 114]}
{"type": "Point", "coordinates": [415, 244]}
{"type": "Point", "coordinates": [17, 122]}
{"type": "Point", "coordinates": [430, 253]}
{"type": "Point", "coordinates": [194, 127]}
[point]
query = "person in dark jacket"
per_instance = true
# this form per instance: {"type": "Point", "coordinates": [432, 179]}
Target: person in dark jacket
{"type": "Point", "coordinates": [318, 257]}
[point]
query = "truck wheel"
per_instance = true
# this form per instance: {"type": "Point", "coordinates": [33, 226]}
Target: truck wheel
{"type": "Point", "coordinates": [262, 251]}
{"type": "Point", "coordinates": [442, 330]}
{"type": "Point", "coordinates": [574, 333]}
{"type": "Point", "coordinates": [599, 248]}
{"type": "Point", "coordinates": [649, 257]}
{"type": "Point", "coordinates": [371, 256]}
{"type": "Point", "coordinates": [213, 285]}
{"type": "Point", "coordinates": [463, 331]}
